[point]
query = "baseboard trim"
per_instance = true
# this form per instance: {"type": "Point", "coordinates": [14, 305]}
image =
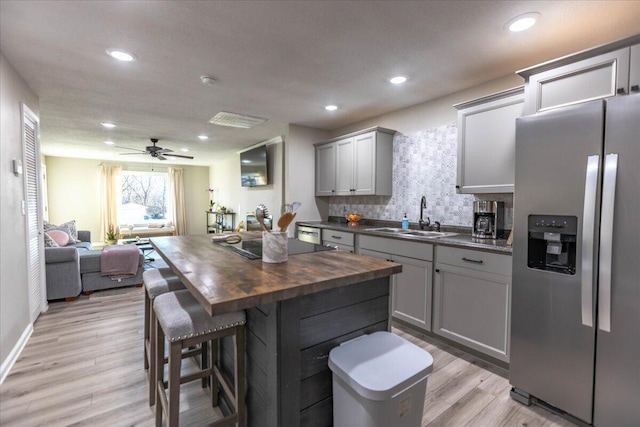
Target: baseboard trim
{"type": "Point", "coordinates": [15, 353]}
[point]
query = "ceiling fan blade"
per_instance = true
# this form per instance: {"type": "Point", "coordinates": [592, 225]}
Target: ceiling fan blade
{"type": "Point", "coordinates": [179, 155]}
{"type": "Point", "coordinates": [164, 150]}
{"type": "Point", "coordinates": [160, 157]}
{"type": "Point", "coordinates": [127, 148]}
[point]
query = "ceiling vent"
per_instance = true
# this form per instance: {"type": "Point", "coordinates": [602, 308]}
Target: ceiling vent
{"type": "Point", "coordinates": [236, 120]}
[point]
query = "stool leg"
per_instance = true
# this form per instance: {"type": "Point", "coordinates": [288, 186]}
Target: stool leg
{"type": "Point", "coordinates": [175, 360]}
{"type": "Point", "coordinates": [147, 335]}
{"type": "Point", "coordinates": [239, 339]}
{"type": "Point", "coordinates": [153, 356]}
{"type": "Point", "coordinates": [159, 370]}
{"type": "Point", "coordinates": [214, 379]}
{"type": "Point", "coordinates": [204, 361]}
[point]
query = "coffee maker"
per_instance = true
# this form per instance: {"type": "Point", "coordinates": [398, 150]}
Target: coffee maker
{"type": "Point", "coordinates": [488, 219]}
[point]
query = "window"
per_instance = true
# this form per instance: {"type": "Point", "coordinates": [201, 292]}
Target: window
{"type": "Point", "coordinates": [145, 198]}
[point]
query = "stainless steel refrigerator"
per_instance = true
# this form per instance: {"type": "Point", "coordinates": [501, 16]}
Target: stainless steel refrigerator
{"type": "Point", "coordinates": [575, 313]}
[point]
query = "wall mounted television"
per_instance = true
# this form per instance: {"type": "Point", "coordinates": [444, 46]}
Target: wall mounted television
{"type": "Point", "coordinates": [254, 170]}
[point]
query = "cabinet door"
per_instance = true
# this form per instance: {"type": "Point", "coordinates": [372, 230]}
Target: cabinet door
{"type": "Point", "coordinates": [472, 308]}
{"type": "Point", "coordinates": [364, 169]}
{"type": "Point", "coordinates": [411, 292]}
{"type": "Point", "coordinates": [599, 77]}
{"type": "Point", "coordinates": [487, 143]}
{"type": "Point", "coordinates": [344, 167]}
{"type": "Point", "coordinates": [634, 70]}
{"type": "Point", "coordinates": [325, 169]}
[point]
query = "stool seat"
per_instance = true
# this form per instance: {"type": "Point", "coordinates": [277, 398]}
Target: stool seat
{"type": "Point", "coordinates": [182, 316]}
{"type": "Point", "coordinates": [183, 321]}
{"type": "Point", "coordinates": [160, 281]}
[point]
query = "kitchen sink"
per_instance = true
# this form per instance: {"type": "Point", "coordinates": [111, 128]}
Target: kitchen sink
{"type": "Point", "coordinates": [415, 233]}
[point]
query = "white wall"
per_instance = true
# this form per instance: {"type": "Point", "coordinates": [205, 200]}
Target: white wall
{"type": "Point", "coordinates": [73, 189]}
{"type": "Point", "coordinates": [225, 180]}
{"type": "Point", "coordinates": [14, 294]}
{"type": "Point", "coordinates": [434, 113]}
{"type": "Point", "coordinates": [299, 173]}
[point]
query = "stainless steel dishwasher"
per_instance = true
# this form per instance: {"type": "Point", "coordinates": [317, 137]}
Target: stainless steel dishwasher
{"type": "Point", "coordinates": [309, 234]}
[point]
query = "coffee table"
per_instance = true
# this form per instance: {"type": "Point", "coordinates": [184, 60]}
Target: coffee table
{"type": "Point", "coordinates": [143, 244]}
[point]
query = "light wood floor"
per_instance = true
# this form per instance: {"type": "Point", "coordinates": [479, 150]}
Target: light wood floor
{"type": "Point", "coordinates": [83, 366]}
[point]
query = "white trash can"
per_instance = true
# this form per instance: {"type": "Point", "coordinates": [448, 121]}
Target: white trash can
{"type": "Point", "coordinates": [379, 380]}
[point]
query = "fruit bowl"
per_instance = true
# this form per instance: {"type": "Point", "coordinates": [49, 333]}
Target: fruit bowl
{"type": "Point", "coordinates": [353, 219]}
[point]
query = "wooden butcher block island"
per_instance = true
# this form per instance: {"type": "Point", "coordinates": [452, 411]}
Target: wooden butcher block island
{"type": "Point", "coordinates": [297, 311]}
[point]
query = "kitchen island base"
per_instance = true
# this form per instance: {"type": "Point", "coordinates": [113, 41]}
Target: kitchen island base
{"type": "Point", "coordinates": [288, 344]}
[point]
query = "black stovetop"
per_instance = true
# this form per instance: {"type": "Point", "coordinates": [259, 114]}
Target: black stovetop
{"type": "Point", "coordinates": [252, 249]}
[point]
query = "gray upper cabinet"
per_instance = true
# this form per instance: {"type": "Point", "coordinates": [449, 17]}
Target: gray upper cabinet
{"type": "Point", "coordinates": [356, 164]}
{"type": "Point", "coordinates": [597, 73]}
{"type": "Point", "coordinates": [487, 142]}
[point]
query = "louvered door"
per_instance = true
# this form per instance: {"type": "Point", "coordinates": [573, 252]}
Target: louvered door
{"type": "Point", "coordinates": [35, 246]}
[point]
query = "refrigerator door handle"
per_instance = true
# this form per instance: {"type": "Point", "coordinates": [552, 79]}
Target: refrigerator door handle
{"type": "Point", "coordinates": [588, 236]}
{"type": "Point", "coordinates": [606, 241]}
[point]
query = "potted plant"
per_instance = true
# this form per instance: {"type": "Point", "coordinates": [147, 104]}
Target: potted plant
{"type": "Point", "coordinates": [111, 236]}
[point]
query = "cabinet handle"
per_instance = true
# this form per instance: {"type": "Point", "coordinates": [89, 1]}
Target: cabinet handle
{"type": "Point", "coordinates": [635, 88]}
{"type": "Point", "coordinates": [475, 261]}
{"type": "Point", "coordinates": [437, 270]}
{"type": "Point", "coordinates": [620, 91]}
{"type": "Point", "coordinates": [336, 237]}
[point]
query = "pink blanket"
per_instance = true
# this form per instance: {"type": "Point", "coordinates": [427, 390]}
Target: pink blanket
{"type": "Point", "coordinates": [119, 261]}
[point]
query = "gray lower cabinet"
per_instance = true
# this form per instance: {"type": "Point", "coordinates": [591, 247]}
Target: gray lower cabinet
{"type": "Point", "coordinates": [341, 240]}
{"type": "Point", "coordinates": [471, 303]}
{"type": "Point", "coordinates": [411, 290]}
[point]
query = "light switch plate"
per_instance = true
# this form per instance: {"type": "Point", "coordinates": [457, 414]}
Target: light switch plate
{"type": "Point", "coordinates": [17, 167]}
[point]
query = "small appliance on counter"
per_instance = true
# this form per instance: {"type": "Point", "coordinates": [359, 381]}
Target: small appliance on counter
{"type": "Point", "coordinates": [488, 219]}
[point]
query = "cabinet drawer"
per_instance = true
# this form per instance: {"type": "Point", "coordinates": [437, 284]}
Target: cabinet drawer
{"type": "Point", "coordinates": [417, 250]}
{"type": "Point", "coordinates": [475, 260]}
{"type": "Point", "coordinates": [342, 237]}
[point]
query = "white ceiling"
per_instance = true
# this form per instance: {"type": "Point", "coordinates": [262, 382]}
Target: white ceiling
{"type": "Point", "coordinates": [280, 60]}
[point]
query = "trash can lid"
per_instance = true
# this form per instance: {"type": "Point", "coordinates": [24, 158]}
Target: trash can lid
{"type": "Point", "coordinates": [380, 365]}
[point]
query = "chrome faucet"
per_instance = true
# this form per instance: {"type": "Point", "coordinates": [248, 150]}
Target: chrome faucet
{"type": "Point", "coordinates": [421, 222]}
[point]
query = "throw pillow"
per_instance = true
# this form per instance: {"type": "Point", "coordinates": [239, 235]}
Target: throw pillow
{"type": "Point", "coordinates": [60, 237]}
{"type": "Point", "coordinates": [71, 226]}
{"type": "Point", "coordinates": [49, 242]}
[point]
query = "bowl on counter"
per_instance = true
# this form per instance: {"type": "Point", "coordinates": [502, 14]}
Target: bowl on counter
{"type": "Point", "coordinates": [353, 219]}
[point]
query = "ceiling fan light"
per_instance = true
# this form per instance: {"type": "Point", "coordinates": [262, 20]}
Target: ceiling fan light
{"type": "Point", "coordinates": [397, 80]}
{"type": "Point", "coordinates": [331, 107]}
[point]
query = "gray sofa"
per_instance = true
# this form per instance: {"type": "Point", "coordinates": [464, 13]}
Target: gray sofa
{"type": "Point", "coordinates": [76, 268]}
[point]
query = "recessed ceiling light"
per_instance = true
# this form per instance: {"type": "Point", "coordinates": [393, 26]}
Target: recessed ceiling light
{"type": "Point", "coordinates": [122, 55]}
{"type": "Point", "coordinates": [397, 80]}
{"type": "Point", "coordinates": [203, 137]}
{"type": "Point", "coordinates": [331, 107]}
{"type": "Point", "coordinates": [184, 149]}
{"type": "Point", "coordinates": [108, 125]}
{"type": "Point", "coordinates": [109, 142]}
{"type": "Point", "coordinates": [522, 22]}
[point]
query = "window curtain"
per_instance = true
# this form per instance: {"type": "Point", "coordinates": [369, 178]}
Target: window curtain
{"type": "Point", "coordinates": [176, 194]}
{"type": "Point", "coordinates": [109, 199]}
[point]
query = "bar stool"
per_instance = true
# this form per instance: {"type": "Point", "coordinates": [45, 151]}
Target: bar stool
{"type": "Point", "coordinates": [184, 322]}
{"type": "Point", "coordinates": [156, 282]}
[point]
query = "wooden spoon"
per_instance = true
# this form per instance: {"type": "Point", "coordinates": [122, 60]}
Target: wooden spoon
{"type": "Point", "coordinates": [285, 220]}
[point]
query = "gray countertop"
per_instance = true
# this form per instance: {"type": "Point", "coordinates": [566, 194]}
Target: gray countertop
{"type": "Point", "coordinates": [461, 240]}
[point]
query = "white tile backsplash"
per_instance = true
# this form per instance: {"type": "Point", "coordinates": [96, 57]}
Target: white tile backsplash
{"type": "Point", "coordinates": [424, 163]}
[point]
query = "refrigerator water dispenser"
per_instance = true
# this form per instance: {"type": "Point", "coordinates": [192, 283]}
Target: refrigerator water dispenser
{"type": "Point", "coordinates": [552, 243]}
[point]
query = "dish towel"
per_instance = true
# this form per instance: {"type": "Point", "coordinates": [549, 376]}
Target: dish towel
{"type": "Point", "coordinates": [119, 261]}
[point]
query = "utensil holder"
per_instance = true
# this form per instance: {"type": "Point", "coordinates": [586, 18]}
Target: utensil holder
{"type": "Point", "coordinates": [275, 247]}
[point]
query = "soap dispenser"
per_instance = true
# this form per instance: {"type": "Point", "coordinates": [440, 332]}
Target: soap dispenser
{"type": "Point", "coordinates": [405, 221]}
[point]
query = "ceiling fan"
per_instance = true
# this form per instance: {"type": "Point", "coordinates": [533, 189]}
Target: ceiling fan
{"type": "Point", "coordinates": [154, 151]}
